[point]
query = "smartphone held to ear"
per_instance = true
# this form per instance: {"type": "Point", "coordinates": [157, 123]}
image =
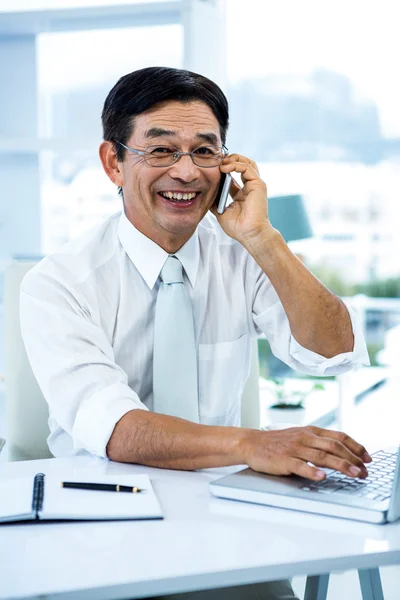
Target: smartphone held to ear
{"type": "Point", "coordinates": [223, 192]}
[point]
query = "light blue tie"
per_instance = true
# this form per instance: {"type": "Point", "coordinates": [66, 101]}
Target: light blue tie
{"type": "Point", "coordinates": [175, 388]}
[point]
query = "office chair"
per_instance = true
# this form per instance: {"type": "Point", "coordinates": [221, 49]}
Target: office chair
{"type": "Point", "coordinates": [250, 406]}
{"type": "Point", "coordinates": [26, 409]}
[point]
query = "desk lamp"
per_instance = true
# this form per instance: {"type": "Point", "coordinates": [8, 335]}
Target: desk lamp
{"type": "Point", "coordinates": [289, 216]}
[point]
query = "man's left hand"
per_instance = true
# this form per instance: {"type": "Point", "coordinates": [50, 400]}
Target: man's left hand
{"type": "Point", "coordinates": [247, 216]}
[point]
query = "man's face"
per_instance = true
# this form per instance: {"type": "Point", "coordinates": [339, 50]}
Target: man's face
{"type": "Point", "coordinates": [186, 126]}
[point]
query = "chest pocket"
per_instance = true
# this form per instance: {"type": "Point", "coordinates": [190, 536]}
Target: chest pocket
{"type": "Point", "coordinates": [223, 371]}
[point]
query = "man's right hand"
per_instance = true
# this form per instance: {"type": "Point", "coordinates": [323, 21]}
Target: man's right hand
{"type": "Point", "coordinates": [289, 451]}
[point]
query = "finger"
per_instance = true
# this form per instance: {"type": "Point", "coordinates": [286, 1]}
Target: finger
{"type": "Point", "coordinates": [302, 468]}
{"type": "Point", "coordinates": [246, 170]}
{"type": "Point", "coordinates": [240, 158]}
{"type": "Point", "coordinates": [234, 189]}
{"type": "Point", "coordinates": [330, 445]}
{"type": "Point", "coordinates": [336, 448]}
{"type": "Point", "coordinates": [356, 448]}
{"type": "Point", "coordinates": [243, 192]}
{"type": "Point", "coordinates": [320, 458]}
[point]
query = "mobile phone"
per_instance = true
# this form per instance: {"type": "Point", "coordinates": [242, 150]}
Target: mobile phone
{"type": "Point", "coordinates": [223, 192]}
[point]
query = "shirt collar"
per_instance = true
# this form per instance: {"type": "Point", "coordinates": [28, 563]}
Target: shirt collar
{"type": "Point", "coordinates": [149, 258]}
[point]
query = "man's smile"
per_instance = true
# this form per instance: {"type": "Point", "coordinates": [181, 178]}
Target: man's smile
{"type": "Point", "coordinates": [182, 197]}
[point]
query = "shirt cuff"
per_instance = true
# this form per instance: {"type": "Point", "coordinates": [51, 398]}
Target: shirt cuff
{"type": "Point", "coordinates": [98, 415]}
{"type": "Point", "coordinates": [321, 366]}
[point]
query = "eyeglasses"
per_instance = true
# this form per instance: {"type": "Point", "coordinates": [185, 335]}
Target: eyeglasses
{"type": "Point", "coordinates": [165, 156]}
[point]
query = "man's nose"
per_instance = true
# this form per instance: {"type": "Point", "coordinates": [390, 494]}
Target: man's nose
{"type": "Point", "coordinates": [184, 169]}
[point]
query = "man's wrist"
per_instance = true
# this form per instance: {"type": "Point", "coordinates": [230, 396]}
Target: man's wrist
{"type": "Point", "coordinates": [244, 442]}
{"type": "Point", "coordinates": [266, 238]}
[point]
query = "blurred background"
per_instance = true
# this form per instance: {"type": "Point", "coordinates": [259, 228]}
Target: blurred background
{"type": "Point", "coordinates": [314, 97]}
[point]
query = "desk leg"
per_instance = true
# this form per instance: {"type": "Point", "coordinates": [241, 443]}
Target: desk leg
{"type": "Point", "coordinates": [370, 582]}
{"type": "Point", "coordinates": [317, 587]}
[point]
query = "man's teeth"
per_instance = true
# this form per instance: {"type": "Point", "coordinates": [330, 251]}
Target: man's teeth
{"type": "Point", "coordinates": [178, 196]}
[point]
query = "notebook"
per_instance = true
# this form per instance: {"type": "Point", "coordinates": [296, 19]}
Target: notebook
{"type": "Point", "coordinates": [375, 499]}
{"type": "Point", "coordinates": [41, 497]}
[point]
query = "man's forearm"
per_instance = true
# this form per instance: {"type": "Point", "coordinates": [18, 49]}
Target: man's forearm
{"type": "Point", "coordinates": [156, 440]}
{"type": "Point", "coordinates": [319, 320]}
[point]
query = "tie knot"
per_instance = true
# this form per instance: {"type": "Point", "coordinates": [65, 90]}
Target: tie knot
{"type": "Point", "coordinates": [172, 270]}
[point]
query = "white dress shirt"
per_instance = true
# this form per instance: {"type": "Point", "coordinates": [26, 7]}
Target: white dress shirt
{"type": "Point", "coordinates": [87, 315]}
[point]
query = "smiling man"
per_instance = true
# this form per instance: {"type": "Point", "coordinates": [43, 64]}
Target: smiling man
{"type": "Point", "coordinates": [94, 315]}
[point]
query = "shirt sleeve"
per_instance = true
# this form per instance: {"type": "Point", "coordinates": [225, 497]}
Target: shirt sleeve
{"type": "Point", "coordinates": [73, 362]}
{"type": "Point", "coordinates": [269, 317]}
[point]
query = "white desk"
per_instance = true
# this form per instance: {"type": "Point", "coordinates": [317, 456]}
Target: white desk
{"type": "Point", "coordinates": [203, 542]}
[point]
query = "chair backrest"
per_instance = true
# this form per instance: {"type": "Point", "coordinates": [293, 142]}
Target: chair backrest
{"type": "Point", "coordinates": [26, 409]}
{"type": "Point", "coordinates": [250, 410]}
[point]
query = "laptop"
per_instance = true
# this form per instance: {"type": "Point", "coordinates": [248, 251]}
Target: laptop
{"type": "Point", "coordinates": [375, 499]}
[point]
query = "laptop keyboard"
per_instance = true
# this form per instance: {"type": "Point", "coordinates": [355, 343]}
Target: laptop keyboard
{"type": "Point", "coordinates": [377, 486]}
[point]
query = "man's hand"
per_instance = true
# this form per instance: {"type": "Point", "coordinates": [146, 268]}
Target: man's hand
{"type": "Point", "coordinates": [247, 216]}
{"type": "Point", "coordinates": [289, 451]}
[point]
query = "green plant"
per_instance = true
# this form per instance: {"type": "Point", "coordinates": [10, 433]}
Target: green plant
{"type": "Point", "coordinates": [337, 283]}
{"type": "Point", "coordinates": [264, 356]}
{"type": "Point", "coordinates": [379, 288]}
{"type": "Point", "coordinates": [373, 350]}
{"type": "Point", "coordinates": [291, 399]}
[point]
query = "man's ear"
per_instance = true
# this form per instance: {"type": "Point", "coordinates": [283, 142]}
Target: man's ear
{"type": "Point", "coordinates": [110, 163]}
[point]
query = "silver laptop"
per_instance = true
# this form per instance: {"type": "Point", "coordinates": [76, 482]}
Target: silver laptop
{"type": "Point", "coordinates": [375, 499]}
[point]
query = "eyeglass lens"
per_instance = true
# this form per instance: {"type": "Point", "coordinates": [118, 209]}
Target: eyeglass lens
{"type": "Point", "coordinates": [163, 156]}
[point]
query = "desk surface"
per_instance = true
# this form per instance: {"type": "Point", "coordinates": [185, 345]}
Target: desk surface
{"type": "Point", "coordinates": [203, 542]}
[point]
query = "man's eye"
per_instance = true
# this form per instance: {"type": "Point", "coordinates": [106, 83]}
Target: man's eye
{"type": "Point", "coordinates": [162, 151]}
{"type": "Point", "coordinates": [206, 151]}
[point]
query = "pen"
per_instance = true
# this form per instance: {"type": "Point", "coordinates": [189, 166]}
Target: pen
{"type": "Point", "coordinates": [103, 487]}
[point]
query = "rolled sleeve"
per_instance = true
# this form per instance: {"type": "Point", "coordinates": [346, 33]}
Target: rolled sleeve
{"type": "Point", "coordinates": [275, 325]}
{"type": "Point", "coordinates": [321, 366]}
{"type": "Point", "coordinates": [98, 415]}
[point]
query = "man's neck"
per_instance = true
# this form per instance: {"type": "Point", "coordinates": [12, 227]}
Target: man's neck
{"type": "Point", "coordinates": [168, 241]}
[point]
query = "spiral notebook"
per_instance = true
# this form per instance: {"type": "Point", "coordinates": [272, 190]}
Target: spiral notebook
{"type": "Point", "coordinates": [42, 498]}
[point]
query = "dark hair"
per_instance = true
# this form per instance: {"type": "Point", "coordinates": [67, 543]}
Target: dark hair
{"type": "Point", "coordinates": [139, 91]}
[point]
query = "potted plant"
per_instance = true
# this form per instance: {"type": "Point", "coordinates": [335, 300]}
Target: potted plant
{"type": "Point", "coordinates": [288, 403]}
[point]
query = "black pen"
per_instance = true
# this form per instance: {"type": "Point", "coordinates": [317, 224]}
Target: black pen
{"type": "Point", "coordinates": [102, 487]}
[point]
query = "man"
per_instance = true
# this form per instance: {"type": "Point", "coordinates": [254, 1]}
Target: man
{"type": "Point", "coordinates": [89, 316]}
